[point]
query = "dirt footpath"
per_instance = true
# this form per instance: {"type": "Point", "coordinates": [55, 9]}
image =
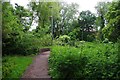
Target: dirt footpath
{"type": "Point", "coordinates": [39, 67]}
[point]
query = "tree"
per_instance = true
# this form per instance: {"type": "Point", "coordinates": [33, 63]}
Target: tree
{"type": "Point", "coordinates": [25, 16]}
{"type": "Point", "coordinates": [112, 29]}
{"type": "Point", "coordinates": [68, 16]}
{"type": "Point", "coordinates": [102, 8]}
{"type": "Point", "coordinates": [11, 29]}
{"type": "Point", "coordinates": [44, 12]}
{"type": "Point", "coordinates": [86, 22]}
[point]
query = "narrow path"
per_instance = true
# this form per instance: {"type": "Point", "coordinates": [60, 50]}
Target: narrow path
{"type": "Point", "coordinates": [39, 67]}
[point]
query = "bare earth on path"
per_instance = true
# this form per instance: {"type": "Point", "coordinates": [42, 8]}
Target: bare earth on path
{"type": "Point", "coordinates": [39, 67]}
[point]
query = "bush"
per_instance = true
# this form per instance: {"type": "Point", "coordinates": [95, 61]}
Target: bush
{"type": "Point", "coordinates": [65, 64]}
{"type": "Point", "coordinates": [64, 38]}
{"type": "Point", "coordinates": [28, 44]}
{"type": "Point", "coordinates": [90, 61]}
{"type": "Point", "coordinates": [90, 38]}
{"type": "Point", "coordinates": [106, 40]}
{"type": "Point", "coordinates": [46, 40]}
{"type": "Point", "coordinates": [7, 67]}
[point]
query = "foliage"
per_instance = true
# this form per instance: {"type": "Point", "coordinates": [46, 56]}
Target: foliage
{"type": "Point", "coordinates": [89, 61]}
{"type": "Point", "coordinates": [64, 38]}
{"type": "Point", "coordinates": [44, 10]}
{"type": "Point", "coordinates": [112, 29]}
{"type": "Point", "coordinates": [83, 59]}
{"type": "Point", "coordinates": [16, 38]}
{"type": "Point", "coordinates": [14, 66]}
{"type": "Point", "coordinates": [86, 21]}
{"type": "Point", "coordinates": [102, 9]}
{"type": "Point", "coordinates": [46, 40]}
{"type": "Point", "coordinates": [27, 45]}
{"type": "Point", "coordinates": [30, 44]}
{"type": "Point", "coordinates": [25, 17]}
{"type": "Point", "coordinates": [67, 17]}
{"type": "Point", "coordinates": [11, 32]}
{"type": "Point", "coordinates": [106, 40]}
{"type": "Point", "coordinates": [74, 34]}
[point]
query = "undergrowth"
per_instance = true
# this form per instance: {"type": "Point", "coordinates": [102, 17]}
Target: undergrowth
{"type": "Point", "coordinates": [88, 61]}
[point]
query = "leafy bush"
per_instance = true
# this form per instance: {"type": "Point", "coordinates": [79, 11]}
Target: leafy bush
{"type": "Point", "coordinates": [63, 63]}
{"type": "Point", "coordinates": [57, 42]}
{"type": "Point", "coordinates": [28, 44]}
{"type": "Point", "coordinates": [46, 40]}
{"type": "Point", "coordinates": [78, 43]}
{"type": "Point", "coordinates": [74, 34]}
{"type": "Point", "coordinates": [106, 40]}
{"type": "Point", "coordinates": [90, 38]}
{"type": "Point", "coordinates": [64, 38]}
{"type": "Point", "coordinates": [7, 67]}
{"type": "Point", "coordinates": [90, 61]}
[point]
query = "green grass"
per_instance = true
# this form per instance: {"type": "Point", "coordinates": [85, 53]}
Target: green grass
{"type": "Point", "coordinates": [14, 66]}
{"type": "Point", "coordinates": [87, 60]}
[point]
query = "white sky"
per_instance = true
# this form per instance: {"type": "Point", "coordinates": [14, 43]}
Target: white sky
{"type": "Point", "coordinates": [86, 4]}
{"type": "Point", "coordinates": [83, 4]}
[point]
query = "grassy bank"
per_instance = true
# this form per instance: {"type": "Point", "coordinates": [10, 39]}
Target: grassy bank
{"type": "Point", "coordinates": [14, 66]}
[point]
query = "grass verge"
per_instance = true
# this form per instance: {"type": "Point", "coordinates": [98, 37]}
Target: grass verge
{"type": "Point", "coordinates": [14, 66]}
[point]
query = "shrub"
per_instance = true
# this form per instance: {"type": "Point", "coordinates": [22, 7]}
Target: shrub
{"type": "Point", "coordinates": [106, 40]}
{"type": "Point", "coordinates": [89, 61]}
{"type": "Point", "coordinates": [46, 40]}
{"type": "Point", "coordinates": [28, 44]}
{"type": "Point", "coordinates": [65, 64]}
{"type": "Point", "coordinates": [64, 38]}
{"type": "Point", "coordinates": [7, 67]}
{"type": "Point", "coordinates": [90, 38]}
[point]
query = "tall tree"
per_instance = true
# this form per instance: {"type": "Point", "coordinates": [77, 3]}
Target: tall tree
{"type": "Point", "coordinates": [25, 16]}
{"type": "Point", "coordinates": [68, 15]}
{"type": "Point", "coordinates": [112, 29]}
{"type": "Point", "coordinates": [45, 11]}
{"type": "Point", "coordinates": [86, 22]}
{"type": "Point", "coordinates": [102, 8]}
{"type": "Point", "coordinates": [11, 29]}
